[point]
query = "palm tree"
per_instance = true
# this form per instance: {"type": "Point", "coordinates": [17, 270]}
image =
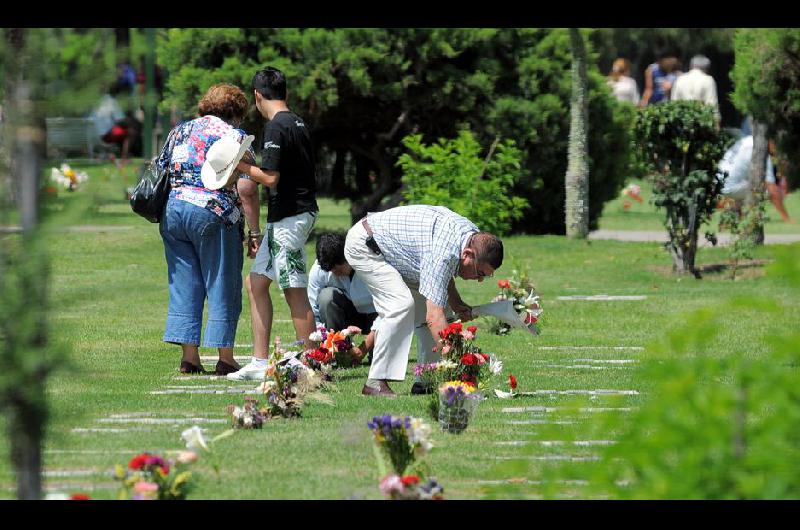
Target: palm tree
{"type": "Point", "coordinates": [577, 178]}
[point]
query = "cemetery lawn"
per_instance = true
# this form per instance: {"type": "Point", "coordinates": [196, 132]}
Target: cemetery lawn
{"type": "Point", "coordinates": [109, 301]}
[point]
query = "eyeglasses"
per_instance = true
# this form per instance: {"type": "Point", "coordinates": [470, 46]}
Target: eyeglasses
{"type": "Point", "coordinates": [479, 273]}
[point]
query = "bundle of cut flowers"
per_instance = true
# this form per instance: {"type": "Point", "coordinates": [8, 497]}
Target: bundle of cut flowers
{"type": "Point", "coordinates": [248, 416]}
{"type": "Point", "coordinates": [67, 177]}
{"type": "Point", "coordinates": [457, 401]}
{"type": "Point", "coordinates": [151, 477]}
{"type": "Point", "coordinates": [400, 439]}
{"type": "Point", "coordinates": [462, 360]}
{"type": "Point", "coordinates": [633, 191]}
{"type": "Point", "coordinates": [411, 488]}
{"type": "Point", "coordinates": [519, 289]}
{"type": "Point", "coordinates": [289, 383]}
{"type": "Point", "coordinates": [334, 348]}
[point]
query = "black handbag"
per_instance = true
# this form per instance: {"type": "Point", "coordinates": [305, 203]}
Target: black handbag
{"type": "Point", "coordinates": [151, 193]}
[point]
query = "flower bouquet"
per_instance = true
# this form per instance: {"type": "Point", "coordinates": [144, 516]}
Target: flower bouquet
{"type": "Point", "coordinates": [150, 477]}
{"type": "Point", "coordinates": [462, 360]}
{"type": "Point", "coordinates": [334, 349]}
{"type": "Point", "coordinates": [67, 177]}
{"type": "Point", "coordinates": [402, 440]}
{"type": "Point", "coordinates": [457, 401]}
{"type": "Point", "coordinates": [517, 306]}
{"type": "Point", "coordinates": [410, 488]}
{"type": "Point", "coordinates": [247, 417]}
{"type": "Point", "coordinates": [289, 383]}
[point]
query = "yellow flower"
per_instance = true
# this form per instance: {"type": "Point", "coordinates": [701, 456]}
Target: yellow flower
{"type": "Point", "coordinates": [467, 388]}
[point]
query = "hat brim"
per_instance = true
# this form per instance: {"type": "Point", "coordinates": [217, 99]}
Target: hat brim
{"type": "Point", "coordinates": [213, 180]}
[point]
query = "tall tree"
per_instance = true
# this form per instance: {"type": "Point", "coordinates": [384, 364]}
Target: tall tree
{"type": "Point", "coordinates": [22, 279]}
{"type": "Point", "coordinates": [758, 164]}
{"type": "Point", "coordinates": [577, 178]}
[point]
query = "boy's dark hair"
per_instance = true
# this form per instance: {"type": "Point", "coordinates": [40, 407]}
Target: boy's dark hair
{"type": "Point", "coordinates": [270, 83]}
{"type": "Point", "coordinates": [330, 250]}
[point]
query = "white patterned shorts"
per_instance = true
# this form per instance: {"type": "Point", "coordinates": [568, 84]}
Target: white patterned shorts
{"type": "Point", "coordinates": [282, 255]}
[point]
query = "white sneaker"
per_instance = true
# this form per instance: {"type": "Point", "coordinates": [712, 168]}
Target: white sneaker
{"type": "Point", "coordinates": [252, 371]}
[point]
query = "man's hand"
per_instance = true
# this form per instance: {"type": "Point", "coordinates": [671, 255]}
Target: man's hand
{"type": "Point", "coordinates": [463, 311]}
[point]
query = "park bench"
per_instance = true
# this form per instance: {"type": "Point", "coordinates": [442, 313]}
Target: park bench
{"type": "Point", "coordinates": [72, 135]}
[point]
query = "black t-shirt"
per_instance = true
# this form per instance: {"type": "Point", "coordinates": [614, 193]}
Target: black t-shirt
{"type": "Point", "coordinates": [287, 150]}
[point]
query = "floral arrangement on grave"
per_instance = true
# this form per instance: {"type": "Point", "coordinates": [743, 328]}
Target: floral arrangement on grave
{"type": "Point", "coordinates": [512, 385]}
{"type": "Point", "coordinates": [334, 349]}
{"type": "Point", "coordinates": [67, 178]}
{"type": "Point", "coordinates": [249, 416]}
{"type": "Point", "coordinates": [519, 289]}
{"type": "Point", "coordinates": [632, 191]}
{"type": "Point", "coordinates": [151, 477]}
{"type": "Point", "coordinates": [457, 402]}
{"type": "Point", "coordinates": [289, 383]}
{"type": "Point", "coordinates": [411, 488]}
{"type": "Point", "coordinates": [402, 441]}
{"type": "Point", "coordinates": [462, 360]}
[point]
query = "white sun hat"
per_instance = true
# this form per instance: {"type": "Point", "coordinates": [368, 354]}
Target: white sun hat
{"type": "Point", "coordinates": [221, 160]}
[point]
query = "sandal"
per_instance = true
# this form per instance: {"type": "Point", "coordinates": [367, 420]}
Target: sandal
{"type": "Point", "coordinates": [189, 368]}
{"type": "Point", "coordinates": [224, 368]}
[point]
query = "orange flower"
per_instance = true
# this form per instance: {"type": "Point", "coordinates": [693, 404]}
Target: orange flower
{"type": "Point", "coordinates": [332, 338]}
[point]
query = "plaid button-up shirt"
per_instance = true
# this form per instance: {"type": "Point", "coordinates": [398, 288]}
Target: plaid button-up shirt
{"type": "Point", "coordinates": [424, 243]}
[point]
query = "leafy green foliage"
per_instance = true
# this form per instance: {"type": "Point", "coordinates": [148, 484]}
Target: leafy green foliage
{"type": "Point", "coordinates": [680, 143]}
{"type": "Point", "coordinates": [765, 77]}
{"type": "Point", "coordinates": [745, 228]}
{"type": "Point", "coordinates": [353, 85]}
{"type": "Point", "coordinates": [452, 173]}
{"type": "Point", "coordinates": [716, 426]}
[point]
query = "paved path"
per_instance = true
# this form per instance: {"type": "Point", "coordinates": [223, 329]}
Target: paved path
{"type": "Point", "coordinates": [661, 237]}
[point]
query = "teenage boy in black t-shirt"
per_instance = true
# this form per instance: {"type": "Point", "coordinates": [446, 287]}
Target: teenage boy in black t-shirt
{"type": "Point", "coordinates": [287, 169]}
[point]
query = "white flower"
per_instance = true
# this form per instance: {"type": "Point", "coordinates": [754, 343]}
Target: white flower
{"type": "Point", "coordinates": [315, 337]}
{"type": "Point", "coordinates": [503, 395]}
{"type": "Point", "coordinates": [194, 438]}
{"type": "Point", "coordinates": [495, 365]}
{"type": "Point", "coordinates": [248, 421]}
{"type": "Point", "coordinates": [419, 433]}
{"type": "Point", "coordinates": [56, 497]}
{"type": "Point", "coordinates": [445, 365]}
{"type": "Point", "coordinates": [267, 386]}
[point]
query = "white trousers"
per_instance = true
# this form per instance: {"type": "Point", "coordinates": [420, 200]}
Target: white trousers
{"type": "Point", "coordinates": [401, 310]}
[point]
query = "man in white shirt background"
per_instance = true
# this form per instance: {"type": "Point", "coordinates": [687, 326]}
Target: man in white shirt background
{"type": "Point", "coordinates": [697, 85]}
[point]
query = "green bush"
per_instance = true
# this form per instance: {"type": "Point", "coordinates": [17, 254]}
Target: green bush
{"type": "Point", "coordinates": [681, 144]}
{"type": "Point", "coordinates": [453, 173]}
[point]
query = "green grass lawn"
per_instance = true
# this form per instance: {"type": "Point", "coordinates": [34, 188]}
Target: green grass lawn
{"type": "Point", "coordinates": [109, 301]}
{"type": "Point", "coordinates": [645, 216]}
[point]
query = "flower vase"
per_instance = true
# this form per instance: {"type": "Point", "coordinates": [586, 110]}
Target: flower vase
{"type": "Point", "coordinates": [454, 418]}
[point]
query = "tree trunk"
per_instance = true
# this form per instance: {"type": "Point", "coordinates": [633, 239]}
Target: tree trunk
{"type": "Point", "coordinates": [23, 397]}
{"type": "Point", "coordinates": [758, 167]}
{"type": "Point", "coordinates": [577, 178]}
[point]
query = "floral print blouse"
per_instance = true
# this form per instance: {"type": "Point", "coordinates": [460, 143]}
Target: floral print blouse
{"type": "Point", "coordinates": [192, 139]}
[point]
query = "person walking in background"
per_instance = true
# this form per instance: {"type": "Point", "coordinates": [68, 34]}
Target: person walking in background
{"type": "Point", "coordinates": [697, 85]}
{"type": "Point", "coordinates": [202, 228]}
{"type": "Point", "coordinates": [659, 78]}
{"type": "Point", "coordinates": [288, 170]}
{"type": "Point", "coordinates": [623, 86]}
{"type": "Point", "coordinates": [736, 164]}
{"type": "Point", "coordinates": [408, 257]}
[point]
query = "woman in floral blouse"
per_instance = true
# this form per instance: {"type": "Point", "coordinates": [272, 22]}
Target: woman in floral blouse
{"type": "Point", "coordinates": [203, 231]}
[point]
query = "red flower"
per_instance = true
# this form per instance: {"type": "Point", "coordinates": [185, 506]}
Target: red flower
{"type": "Point", "coordinates": [138, 461]}
{"type": "Point", "coordinates": [466, 378]}
{"type": "Point", "coordinates": [472, 329]}
{"type": "Point", "coordinates": [469, 359]}
{"type": "Point", "coordinates": [456, 327]}
{"type": "Point", "coordinates": [444, 333]}
{"type": "Point", "coordinates": [512, 381]}
{"type": "Point", "coordinates": [530, 319]}
{"type": "Point", "coordinates": [410, 480]}
{"type": "Point", "coordinates": [80, 497]}
{"type": "Point", "coordinates": [483, 358]}
{"type": "Point", "coordinates": [503, 284]}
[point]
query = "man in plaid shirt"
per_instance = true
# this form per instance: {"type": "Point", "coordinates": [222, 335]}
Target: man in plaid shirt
{"type": "Point", "coordinates": [408, 257]}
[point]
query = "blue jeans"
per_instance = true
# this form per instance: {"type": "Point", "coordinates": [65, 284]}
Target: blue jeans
{"type": "Point", "coordinates": [204, 260]}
